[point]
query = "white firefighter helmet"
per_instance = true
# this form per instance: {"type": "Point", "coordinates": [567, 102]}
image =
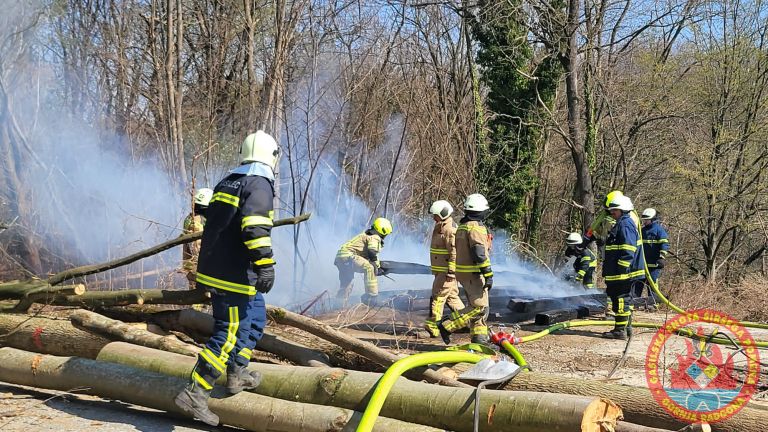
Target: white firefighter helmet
{"type": "Point", "coordinates": [441, 209]}
{"type": "Point", "coordinates": [574, 238]}
{"type": "Point", "coordinates": [649, 213]}
{"type": "Point", "coordinates": [622, 203]}
{"type": "Point", "coordinates": [476, 202]}
{"type": "Point", "coordinates": [203, 196]}
{"type": "Point", "coordinates": [260, 147]}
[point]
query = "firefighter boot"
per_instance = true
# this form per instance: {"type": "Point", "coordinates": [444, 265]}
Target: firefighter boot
{"type": "Point", "coordinates": [481, 339]}
{"type": "Point", "coordinates": [239, 378]}
{"type": "Point", "coordinates": [370, 300]}
{"type": "Point", "coordinates": [444, 333]}
{"type": "Point", "coordinates": [194, 401]}
{"type": "Point", "coordinates": [616, 334]}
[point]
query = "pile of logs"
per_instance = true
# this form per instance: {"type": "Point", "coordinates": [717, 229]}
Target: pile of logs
{"type": "Point", "coordinates": [126, 346]}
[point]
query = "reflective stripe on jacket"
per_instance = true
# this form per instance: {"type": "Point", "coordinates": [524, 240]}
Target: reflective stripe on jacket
{"type": "Point", "coordinates": [655, 243]}
{"type": "Point", "coordinates": [472, 235]}
{"type": "Point", "coordinates": [366, 244]}
{"type": "Point", "coordinates": [237, 235]}
{"type": "Point", "coordinates": [442, 248]}
{"type": "Point", "coordinates": [584, 266]}
{"type": "Point", "coordinates": [623, 252]}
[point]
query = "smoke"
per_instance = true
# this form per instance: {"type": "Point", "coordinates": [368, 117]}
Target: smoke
{"type": "Point", "coordinates": [91, 198]}
{"type": "Point", "coordinates": [314, 172]}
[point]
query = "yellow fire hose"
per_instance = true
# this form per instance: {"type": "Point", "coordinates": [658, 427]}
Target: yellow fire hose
{"type": "Point", "coordinates": [400, 367]}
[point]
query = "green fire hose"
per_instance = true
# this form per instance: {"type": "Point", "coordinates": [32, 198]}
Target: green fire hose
{"type": "Point", "coordinates": [387, 381]}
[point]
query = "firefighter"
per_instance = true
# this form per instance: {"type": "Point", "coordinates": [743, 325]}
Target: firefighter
{"type": "Point", "coordinates": [236, 267]}
{"type": "Point", "coordinates": [624, 265]}
{"type": "Point", "coordinates": [361, 255]}
{"type": "Point", "coordinates": [656, 248]}
{"type": "Point", "coordinates": [603, 222]}
{"type": "Point", "coordinates": [442, 256]}
{"type": "Point", "coordinates": [194, 222]}
{"type": "Point", "coordinates": [473, 271]}
{"type": "Point", "coordinates": [585, 263]}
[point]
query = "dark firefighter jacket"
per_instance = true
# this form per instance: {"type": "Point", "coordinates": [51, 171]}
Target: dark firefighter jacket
{"type": "Point", "coordinates": [584, 266]}
{"type": "Point", "coordinates": [655, 243]}
{"type": "Point", "coordinates": [237, 231]}
{"type": "Point", "coordinates": [623, 253]}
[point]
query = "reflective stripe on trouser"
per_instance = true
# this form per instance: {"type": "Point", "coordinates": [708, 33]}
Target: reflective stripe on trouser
{"type": "Point", "coordinates": [444, 291]}
{"type": "Point", "coordinates": [356, 264]}
{"type": "Point", "coordinates": [239, 322]}
{"type": "Point", "coordinates": [476, 313]}
{"type": "Point", "coordinates": [620, 294]}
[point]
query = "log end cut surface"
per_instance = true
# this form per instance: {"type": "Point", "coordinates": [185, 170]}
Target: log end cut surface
{"type": "Point", "coordinates": [601, 416]}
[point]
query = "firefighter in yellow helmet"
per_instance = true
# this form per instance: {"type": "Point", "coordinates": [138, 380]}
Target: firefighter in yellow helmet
{"type": "Point", "coordinates": [442, 256]}
{"type": "Point", "coordinates": [473, 271]}
{"type": "Point", "coordinates": [603, 222]}
{"type": "Point", "coordinates": [361, 255]}
{"type": "Point", "coordinates": [194, 222]}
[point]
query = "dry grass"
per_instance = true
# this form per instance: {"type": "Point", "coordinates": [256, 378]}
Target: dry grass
{"type": "Point", "coordinates": [744, 300]}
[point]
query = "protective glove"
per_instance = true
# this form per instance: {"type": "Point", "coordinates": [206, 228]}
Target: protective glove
{"type": "Point", "coordinates": [265, 278]}
{"type": "Point", "coordinates": [380, 271]}
{"type": "Point", "coordinates": [488, 283]}
{"type": "Point", "coordinates": [660, 263]}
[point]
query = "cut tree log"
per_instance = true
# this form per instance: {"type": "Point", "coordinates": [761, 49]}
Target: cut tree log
{"type": "Point", "coordinates": [99, 299]}
{"type": "Point", "coordinates": [199, 326]}
{"type": "Point", "coordinates": [246, 410]}
{"type": "Point", "coordinates": [23, 289]}
{"type": "Point", "coordinates": [437, 406]}
{"type": "Point", "coordinates": [365, 349]}
{"type": "Point", "coordinates": [186, 238]}
{"type": "Point", "coordinates": [638, 404]}
{"type": "Point", "coordinates": [50, 336]}
{"type": "Point", "coordinates": [60, 337]}
{"type": "Point", "coordinates": [118, 330]}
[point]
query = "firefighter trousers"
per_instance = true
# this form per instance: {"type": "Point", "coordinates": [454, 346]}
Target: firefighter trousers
{"type": "Point", "coordinates": [348, 267]}
{"type": "Point", "coordinates": [620, 294]}
{"type": "Point", "coordinates": [637, 289]}
{"type": "Point", "coordinates": [444, 291]}
{"type": "Point", "coordinates": [239, 322]}
{"type": "Point", "coordinates": [475, 314]}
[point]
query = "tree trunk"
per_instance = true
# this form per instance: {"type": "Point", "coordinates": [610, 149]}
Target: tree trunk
{"type": "Point", "coordinates": [200, 326]}
{"type": "Point", "coordinates": [638, 404]}
{"type": "Point", "coordinates": [365, 349]}
{"type": "Point", "coordinates": [154, 390]}
{"type": "Point", "coordinates": [50, 336]}
{"type": "Point", "coordinates": [570, 60]}
{"type": "Point", "coordinates": [36, 288]}
{"type": "Point", "coordinates": [118, 330]}
{"type": "Point", "coordinates": [437, 406]}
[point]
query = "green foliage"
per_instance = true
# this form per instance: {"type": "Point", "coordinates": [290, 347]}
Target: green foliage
{"type": "Point", "coordinates": [516, 83]}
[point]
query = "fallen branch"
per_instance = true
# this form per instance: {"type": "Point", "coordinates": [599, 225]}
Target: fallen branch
{"type": "Point", "coordinates": [437, 406]}
{"type": "Point", "coordinates": [186, 238]}
{"type": "Point", "coordinates": [150, 389]}
{"type": "Point", "coordinates": [365, 349]}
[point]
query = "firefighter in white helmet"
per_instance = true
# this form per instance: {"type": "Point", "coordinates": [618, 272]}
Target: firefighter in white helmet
{"type": "Point", "coordinates": [585, 260]}
{"type": "Point", "coordinates": [442, 256]}
{"type": "Point", "coordinates": [361, 255]}
{"type": "Point", "coordinates": [624, 264]}
{"type": "Point", "coordinates": [656, 248]}
{"type": "Point", "coordinates": [473, 271]}
{"type": "Point", "coordinates": [237, 267]}
{"type": "Point", "coordinates": [194, 222]}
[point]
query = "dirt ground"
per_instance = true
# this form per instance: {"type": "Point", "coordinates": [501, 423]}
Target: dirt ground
{"type": "Point", "coordinates": [578, 352]}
